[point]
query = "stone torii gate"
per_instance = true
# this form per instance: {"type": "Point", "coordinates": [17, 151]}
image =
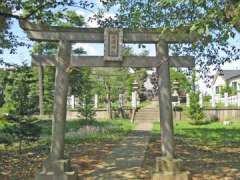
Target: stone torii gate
{"type": "Point", "coordinates": [57, 166]}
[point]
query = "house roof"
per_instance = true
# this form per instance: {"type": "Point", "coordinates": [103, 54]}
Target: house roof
{"type": "Point", "coordinates": [229, 74]}
{"type": "Point", "coordinates": [226, 74]}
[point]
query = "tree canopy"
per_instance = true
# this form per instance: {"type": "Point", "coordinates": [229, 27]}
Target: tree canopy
{"type": "Point", "coordinates": [216, 21]}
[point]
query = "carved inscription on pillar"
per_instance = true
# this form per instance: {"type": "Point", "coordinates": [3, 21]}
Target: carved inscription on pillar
{"type": "Point", "coordinates": [113, 39]}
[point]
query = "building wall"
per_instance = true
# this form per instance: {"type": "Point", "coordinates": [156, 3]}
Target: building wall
{"type": "Point", "coordinates": [218, 82]}
{"type": "Point", "coordinates": [237, 80]}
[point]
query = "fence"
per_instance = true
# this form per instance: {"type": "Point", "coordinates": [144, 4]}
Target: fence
{"type": "Point", "coordinates": [226, 100]}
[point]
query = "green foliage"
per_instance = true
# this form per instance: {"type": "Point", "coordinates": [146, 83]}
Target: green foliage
{"type": "Point", "coordinates": [50, 12]}
{"type": "Point", "coordinates": [207, 98]}
{"type": "Point", "coordinates": [22, 129]}
{"type": "Point", "coordinates": [195, 112]}
{"type": "Point", "coordinates": [227, 89]}
{"type": "Point", "coordinates": [96, 131]}
{"type": "Point", "coordinates": [48, 98]}
{"type": "Point", "coordinates": [3, 82]}
{"type": "Point", "coordinates": [21, 102]}
{"type": "Point", "coordinates": [211, 19]}
{"type": "Point", "coordinates": [21, 93]}
{"type": "Point", "coordinates": [6, 138]}
{"type": "Point", "coordinates": [86, 108]}
{"type": "Point", "coordinates": [64, 19]}
{"type": "Point", "coordinates": [181, 78]}
{"type": "Point", "coordinates": [214, 134]}
{"type": "Point", "coordinates": [82, 88]}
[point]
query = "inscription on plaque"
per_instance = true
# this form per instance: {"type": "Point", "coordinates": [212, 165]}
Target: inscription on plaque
{"type": "Point", "coordinates": [113, 44]}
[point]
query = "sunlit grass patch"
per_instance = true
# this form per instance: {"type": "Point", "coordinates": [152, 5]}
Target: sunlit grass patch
{"type": "Point", "coordinates": [87, 131]}
{"type": "Point", "coordinates": [210, 134]}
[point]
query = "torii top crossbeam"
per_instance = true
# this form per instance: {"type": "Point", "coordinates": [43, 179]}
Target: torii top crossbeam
{"type": "Point", "coordinates": [39, 32]}
{"type": "Point", "coordinates": [96, 35]}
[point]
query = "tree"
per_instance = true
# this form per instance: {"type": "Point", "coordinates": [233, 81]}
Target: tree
{"type": "Point", "coordinates": [3, 81]}
{"type": "Point", "coordinates": [33, 10]}
{"type": "Point", "coordinates": [213, 20]}
{"type": "Point", "coordinates": [46, 77]}
{"type": "Point", "coordinates": [194, 110]}
{"type": "Point", "coordinates": [21, 97]}
{"type": "Point", "coordinates": [228, 89]}
{"type": "Point", "coordinates": [182, 79]}
{"type": "Point", "coordinates": [82, 88]}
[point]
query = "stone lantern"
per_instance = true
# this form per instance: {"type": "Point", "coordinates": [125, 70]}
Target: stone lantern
{"type": "Point", "coordinates": [175, 94]}
{"type": "Point", "coordinates": [134, 99]}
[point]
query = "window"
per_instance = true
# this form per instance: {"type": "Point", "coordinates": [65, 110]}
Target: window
{"type": "Point", "coordinates": [234, 85]}
{"type": "Point", "coordinates": [217, 90]}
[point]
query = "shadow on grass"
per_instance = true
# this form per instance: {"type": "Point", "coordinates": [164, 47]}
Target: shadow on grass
{"type": "Point", "coordinates": [207, 152]}
{"type": "Point", "coordinates": [219, 137]}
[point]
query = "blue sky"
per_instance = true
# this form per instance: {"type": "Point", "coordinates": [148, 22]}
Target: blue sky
{"type": "Point", "coordinates": [23, 54]}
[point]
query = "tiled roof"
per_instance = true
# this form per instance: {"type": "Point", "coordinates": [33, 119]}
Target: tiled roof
{"type": "Point", "coordinates": [228, 74]}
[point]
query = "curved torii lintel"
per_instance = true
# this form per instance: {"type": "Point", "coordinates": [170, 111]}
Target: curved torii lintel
{"type": "Point", "coordinates": [43, 32]}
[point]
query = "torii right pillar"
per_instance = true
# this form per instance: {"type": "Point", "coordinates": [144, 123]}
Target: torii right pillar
{"type": "Point", "coordinates": [167, 167]}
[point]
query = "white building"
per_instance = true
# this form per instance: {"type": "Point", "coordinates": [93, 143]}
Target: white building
{"type": "Point", "coordinates": [224, 78]}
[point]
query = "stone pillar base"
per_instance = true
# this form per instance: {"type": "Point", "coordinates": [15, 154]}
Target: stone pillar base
{"type": "Point", "coordinates": [169, 169]}
{"type": "Point", "coordinates": [56, 170]}
{"type": "Point", "coordinates": [54, 176]}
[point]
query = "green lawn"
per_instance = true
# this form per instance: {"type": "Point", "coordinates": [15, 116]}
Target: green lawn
{"type": "Point", "coordinates": [81, 131]}
{"type": "Point", "coordinates": [214, 134]}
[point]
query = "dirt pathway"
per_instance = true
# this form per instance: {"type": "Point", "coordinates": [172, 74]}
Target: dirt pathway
{"type": "Point", "coordinates": [127, 158]}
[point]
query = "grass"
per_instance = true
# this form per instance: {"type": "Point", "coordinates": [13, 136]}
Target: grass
{"type": "Point", "coordinates": [214, 134]}
{"type": "Point", "coordinates": [98, 130]}
{"type": "Point", "coordinates": [96, 135]}
{"type": "Point", "coordinates": [109, 130]}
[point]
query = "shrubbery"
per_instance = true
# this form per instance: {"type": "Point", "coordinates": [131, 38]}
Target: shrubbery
{"type": "Point", "coordinates": [195, 112]}
{"type": "Point", "coordinates": [21, 98]}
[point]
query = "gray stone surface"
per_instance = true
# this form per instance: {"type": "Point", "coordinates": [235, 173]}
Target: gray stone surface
{"type": "Point", "coordinates": [166, 119]}
{"type": "Point", "coordinates": [95, 35]}
{"type": "Point", "coordinates": [113, 39]}
{"type": "Point", "coordinates": [56, 170]}
{"type": "Point", "coordinates": [56, 167]}
{"type": "Point", "coordinates": [169, 169]}
{"type": "Point", "coordinates": [60, 99]}
{"type": "Point", "coordinates": [132, 61]}
{"type": "Point", "coordinates": [169, 176]}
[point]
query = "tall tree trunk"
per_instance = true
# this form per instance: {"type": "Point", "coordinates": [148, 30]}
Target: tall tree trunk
{"type": "Point", "coordinates": [20, 147]}
{"type": "Point", "coordinates": [109, 105]}
{"type": "Point", "coordinates": [41, 89]}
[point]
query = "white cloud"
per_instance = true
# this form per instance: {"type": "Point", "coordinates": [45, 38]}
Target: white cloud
{"type": "Point", "coordinates": [80, 12]}
{"type": "Point", "coordinates": [93, 49]}
{"type": "Point", "coordinates": [17, 12]}
{"type": "Point", "coordinates": [91, 24]}
{"type": "Point", "coordinates": [90, 49]}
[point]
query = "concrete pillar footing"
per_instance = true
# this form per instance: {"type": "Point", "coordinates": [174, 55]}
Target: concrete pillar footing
{"type": "Point", "coordinates": [169, 169]}
{"type": "Point", "coordinates": [56, 170]}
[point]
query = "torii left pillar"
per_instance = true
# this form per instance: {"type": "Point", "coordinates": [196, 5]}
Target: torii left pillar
{"type": "Point", "coordinates": [57, 167]}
